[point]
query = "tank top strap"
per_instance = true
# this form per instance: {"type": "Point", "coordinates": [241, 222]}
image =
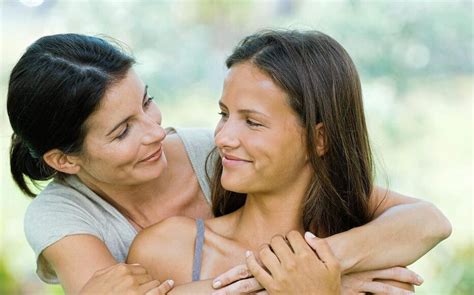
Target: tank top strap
{"type": "Point", "coordinates": [198, 250]}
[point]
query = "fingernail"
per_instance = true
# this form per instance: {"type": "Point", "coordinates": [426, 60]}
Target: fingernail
{"type": "Point", "coordinates": [171, 283]}
{"type": "Point", "coordinates": [248, 253]}
{"type": "Point", "coordinates": [216, 284]}
{"type": "Point", "coordinates": [419, 280]}
{"type": "Point", "coordinates": [309, 235]}
{"type": "Point", "coordinates": [135, 264]}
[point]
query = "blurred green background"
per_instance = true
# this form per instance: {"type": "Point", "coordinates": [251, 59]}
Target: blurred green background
{"type": "Point", "coordinates": [415, 59]}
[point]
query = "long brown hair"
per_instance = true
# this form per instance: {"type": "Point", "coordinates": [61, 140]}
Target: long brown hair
{"type": "Point", "coordinates": [323, 86]}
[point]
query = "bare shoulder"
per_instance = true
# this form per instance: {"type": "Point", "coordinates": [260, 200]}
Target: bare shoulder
{"type": "Point", "coordinates": [178, 160]}
{"type": "Point", "coordinates": [166, 249]}
{"type": "Point", "coordinates": [173, 145]}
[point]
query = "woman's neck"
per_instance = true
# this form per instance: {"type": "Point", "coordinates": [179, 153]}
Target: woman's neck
{"type": "Point", "coordinates": [141, 203]}
{"type": "Point", "coordinates": [266, 215]}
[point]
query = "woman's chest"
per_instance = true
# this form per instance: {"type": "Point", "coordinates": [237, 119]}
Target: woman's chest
{"type": "Point", "coordinates": [217, 259]}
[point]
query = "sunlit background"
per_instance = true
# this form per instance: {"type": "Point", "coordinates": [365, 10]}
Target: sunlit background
{"type": "Point", "coordinates": [415, 59]}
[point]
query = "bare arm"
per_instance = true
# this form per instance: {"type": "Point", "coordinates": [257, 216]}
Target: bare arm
{"type": "Point", "coordinates": [84, 265]}
{"type": "Point", "coordinates": [76, 258]}
{"type": "Point", "coordinates": [397, 236]}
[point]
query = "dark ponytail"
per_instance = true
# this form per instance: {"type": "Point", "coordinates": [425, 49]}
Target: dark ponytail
{"type": "Point", "coordinates": [24, 161]}
{"type": "Point", "coordinates": [55, 86]}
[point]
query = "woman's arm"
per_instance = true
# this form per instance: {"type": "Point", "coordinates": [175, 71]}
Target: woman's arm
{"type": "Point", "coordinates": [398, 235]}
{"type": "Point", "coordinates": [403, 230]}
{"type": "Point", "coordinates": [84, 265]}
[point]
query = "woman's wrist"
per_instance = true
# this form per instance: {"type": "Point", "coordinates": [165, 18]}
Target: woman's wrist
{"type": "Point", "coordinates": [349, 248]}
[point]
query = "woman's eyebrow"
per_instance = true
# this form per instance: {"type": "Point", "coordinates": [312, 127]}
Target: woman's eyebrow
{"type": "Point", "coordinates": [244, 111]}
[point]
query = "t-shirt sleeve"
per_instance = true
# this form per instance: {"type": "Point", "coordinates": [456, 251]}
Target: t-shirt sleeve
{"type": "Point", "coordinates": [48, 219]}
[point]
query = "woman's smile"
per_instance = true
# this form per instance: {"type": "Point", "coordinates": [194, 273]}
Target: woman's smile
{"type": "Point", "coordinates": [155, 156]}
{"type": "Point", "coordinates": [232, 161]}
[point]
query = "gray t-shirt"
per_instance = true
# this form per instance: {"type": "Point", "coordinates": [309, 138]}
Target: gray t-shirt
{"type": "Point", "coordinates": [69, 207]}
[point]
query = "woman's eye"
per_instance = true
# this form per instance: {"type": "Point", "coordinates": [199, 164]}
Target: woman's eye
{"type": "Point", "coordinates": [252, 123]}
{"type": "Point", "coordinates": [148, 101]}
{"type": "Point", "coordinates": [123, 133]}
{"type": "Point", "coordinates": [223, 114]}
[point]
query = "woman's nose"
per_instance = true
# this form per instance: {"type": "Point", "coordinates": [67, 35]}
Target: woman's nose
{"type": "Point", "coordinates": [226, 135]}
{"type": "Point", "coordinates": [153, 132]}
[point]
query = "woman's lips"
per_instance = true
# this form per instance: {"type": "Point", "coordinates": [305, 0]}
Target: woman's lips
{"type": "Point", "coordinates": [153, 157]}
{"type": "Point", "coordinates": [229, 160]}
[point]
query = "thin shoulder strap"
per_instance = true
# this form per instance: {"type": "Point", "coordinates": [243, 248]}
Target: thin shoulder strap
{"type": "Point", "coordinates": [198, 250]}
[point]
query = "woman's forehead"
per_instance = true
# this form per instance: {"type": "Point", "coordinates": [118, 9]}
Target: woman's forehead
{"type": "Point", "coordinates": [120, 101]}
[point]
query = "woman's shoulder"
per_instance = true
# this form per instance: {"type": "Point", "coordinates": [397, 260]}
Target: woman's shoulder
{"type": "Point", "coordinates": [194, 141]}
{"type": "Point", "coordinates": [176, 227]}
{"type": "Point", "coordinates": [67, 208]}
{"type": "Point", "coordinates": [56, 198]}
{"type": "Point", "coordinates": [166, 249]}
{"type": "Point", "coordinates": [57, 212]}
{"type": "Point", "coordinates": [187, 150]}
{"type": "Point", "coordinates": [63, 200]}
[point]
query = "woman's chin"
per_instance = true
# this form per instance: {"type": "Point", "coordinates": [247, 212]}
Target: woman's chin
{"type": "Point", "coordinates": [155, 170]}
{"type": "Point", "coordinates": [233, 185]}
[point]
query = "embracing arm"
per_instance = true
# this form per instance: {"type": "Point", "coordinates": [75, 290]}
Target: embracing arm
{"type": "Point", "coordinates": [403, 230]}
{"type": "Point", "coordinates": [76, 258]}
{"type": "Point", "coordinates": [84, 265]}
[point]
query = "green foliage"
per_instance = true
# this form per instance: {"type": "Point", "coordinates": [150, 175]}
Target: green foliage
{"type": "Point", "coordinates": [464, 260]}
{"type": "Point", "coordinates": [8, 284]}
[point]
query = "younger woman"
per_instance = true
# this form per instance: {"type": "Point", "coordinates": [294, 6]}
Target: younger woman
{"type": "Point", "coordinates": [293, 157]}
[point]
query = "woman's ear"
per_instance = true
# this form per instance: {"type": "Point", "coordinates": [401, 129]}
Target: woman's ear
{"type": "Point", "coordinates": [61, 162]}
{"type": "Point", "coordinates": [321, 139]}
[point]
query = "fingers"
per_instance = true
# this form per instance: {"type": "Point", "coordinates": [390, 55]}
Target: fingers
{"type": "Point", "coordinates": [269, 259]}
{"type": "Point", "coordinates": [104, 270]}
{"type": "Point", "coordinates": [310, 239]}
{"type": "Point", "coordinates": [297, 242]}
{"type": "Point", "coordinates": [281, 249]}
{"type": "Point", "coordinates": [148, 287]}
{"type": "Point", "coordinates": [401, 274]}
{"type": "Point", "coordinates": [142, 279]}
{"type": "Point", "coordinates": [257, 271]}
{"type": "Point", "coordinates": [162, 289]}
{"type": "Point", "coordinates": [234, 274]}
{"type": "Point", "coordinates": [322, 249]}
{"type": "Point", "coordinates": [381, 288]}
{"type": "Point", "coordinates": [136, 269]}
{"type": "Point", "coordinates": [245, 286]}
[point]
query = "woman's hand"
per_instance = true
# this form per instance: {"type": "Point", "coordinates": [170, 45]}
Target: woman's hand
{"type": "Point", "coordinates": [293, 267]}
{"type": "Point", "coordinates": [395, 280]}
{"type": "Point", "coordinates": [125, 279]}
{"type": "Point", "coordinates": [237, 280]}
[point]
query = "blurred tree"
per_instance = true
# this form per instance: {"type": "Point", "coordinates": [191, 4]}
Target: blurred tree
{"type": "Point", "coordinates": [8, 284]}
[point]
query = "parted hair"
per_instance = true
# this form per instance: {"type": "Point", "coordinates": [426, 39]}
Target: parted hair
{"type": "Point", "coordinates": [322, 86]}
{"type": "Point", "coordinates": [55, 86]}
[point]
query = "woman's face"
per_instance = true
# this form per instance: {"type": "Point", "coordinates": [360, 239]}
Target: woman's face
{"type": "Point", "coordinates": [123, 145]}
{"type": "Point", "coordinates": [259, 136]}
